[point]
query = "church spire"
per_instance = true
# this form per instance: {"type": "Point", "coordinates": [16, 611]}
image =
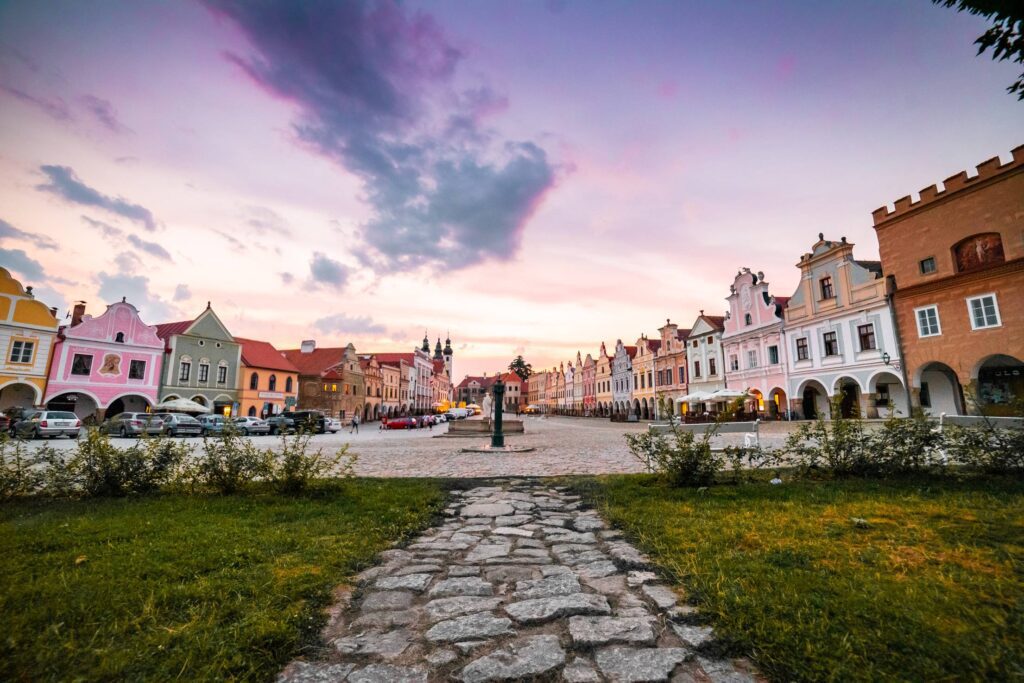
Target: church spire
{"type": "Point", "coordinates": [426, 342]}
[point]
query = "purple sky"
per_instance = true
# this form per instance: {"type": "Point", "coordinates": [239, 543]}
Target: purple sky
{"type": "Point", "coordinates": [534, 176]}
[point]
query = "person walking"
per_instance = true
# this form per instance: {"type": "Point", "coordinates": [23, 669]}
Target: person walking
{"type": "Point", "coordinates": [355, 424]}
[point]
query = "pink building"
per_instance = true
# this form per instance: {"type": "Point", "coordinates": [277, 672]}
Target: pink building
{"type": "Point", "coordinates": [106, 365]}
{"type": "Point", "coordinates": [753, 346]}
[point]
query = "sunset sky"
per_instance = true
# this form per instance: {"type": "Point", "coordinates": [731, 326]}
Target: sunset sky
{"type": "Point", "coordinates": [535, 177]}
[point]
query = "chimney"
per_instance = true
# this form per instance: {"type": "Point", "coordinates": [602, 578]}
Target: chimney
{"type": "Point", "coordinates": [307, 346]}
{"type": "Point", "coordinates": [77, 313]}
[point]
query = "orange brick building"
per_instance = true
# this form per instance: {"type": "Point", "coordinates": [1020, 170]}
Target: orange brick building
{"type": "Point", "coordinates": [956, 262]}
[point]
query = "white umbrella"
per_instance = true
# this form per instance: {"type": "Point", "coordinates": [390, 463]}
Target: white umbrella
{"type": "Point", "coordinates": [695, 397]}
{"type": "Point", "coordinates": [183, 405]}
{"type": "Point", "coordinates": [726, 394]}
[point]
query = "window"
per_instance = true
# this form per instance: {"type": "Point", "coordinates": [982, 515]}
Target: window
{"type": "Point", "coordinates": [802, 352]}
{"type": "Point", "coordinates": [184, 371]}
{"type": "Point", "coordinates": [710, 340]}
{"type": "Point", "coordinates": [288, 384]}
{"type": "Point", "coordinates": [272, 383]}
{"type": "Point", "coordinates": [927, 265]}
{"type": "Point", "coordinates": [682, 374]}
{"type": "Point", "coordinates": [204, 372]}
{"type": "Point", "coordinates": [734, 363]}
{"type": "Point", "coordinates": [826, 288]}
{"type": "Point", "coordinates": [746, 319]}
{"type": "Point", "coordinates": [773, 355]}
{"type": "Point", "coordinates": [695, 342]}
{"type": "Point", "coordinates": [222, 374]}
{"type": "Point", "coordinates": [81, 364]}
{"type": "Point", "coordinates": [119, 337]}
{"type": "Point", "coordinates": [137, 369]}
{"type": "Point", "coordinates": [254, 381]}
{"type": "Point", "coordinates": [696, 368]}
{"type": "Point", "coordinates": [21, 351]}
{"type": "Point", "coordinates": [649, 378]}
{"type": "Point", "coordinates": [882, 399]}
{"type": "Point", "coordinates": [831, 344]}
{"type": "Point", "coordinates": [752, 358]}
{"type": "Point", "coordinates": [984, 311]}
{"type": "Point", "coordinates": [866, 334]}
{"type": "Point", "coordinates": [668, 376]}
{"type": "Point", "coordinates": [711, 367]}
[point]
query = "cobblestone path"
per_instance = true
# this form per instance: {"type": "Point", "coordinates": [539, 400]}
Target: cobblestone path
{"type": "Point", "coordinates": [518, 582]}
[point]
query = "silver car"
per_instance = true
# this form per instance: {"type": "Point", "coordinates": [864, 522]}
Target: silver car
{"type": "Point", "coordinates": [48, 423]}
{"type": "Point", "coordinates": [133, 424]}
{"type": "Point", "coordinates": [251, 425]}
{"type": "Point", "coordinates": [179, 424]}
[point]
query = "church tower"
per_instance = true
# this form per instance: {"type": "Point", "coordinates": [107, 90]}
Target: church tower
{"type": "Point", "coordinates": [437, 350]}
{"type": "Point", "coordinates": [448, 353]}
{"type": "Point", "coordinates": [426, 344]}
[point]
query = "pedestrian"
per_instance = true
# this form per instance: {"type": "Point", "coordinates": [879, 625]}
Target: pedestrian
{"type": "Point", "coordinates": [355, 424]}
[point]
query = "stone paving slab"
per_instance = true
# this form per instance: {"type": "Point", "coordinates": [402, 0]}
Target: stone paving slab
{"type": "Point", "coordinates": [562, 598]}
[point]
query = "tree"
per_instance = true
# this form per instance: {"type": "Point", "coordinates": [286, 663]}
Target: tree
{"type": "Point", "coordinates": [1005, 37]}
{"type": "Point", "coordinates": [521, 368]}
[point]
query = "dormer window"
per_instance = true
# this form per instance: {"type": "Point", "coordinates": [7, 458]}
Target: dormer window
{"type": "Point", "coordinates": [119, 338]}
{"type": "Point", "coordinates": [826, 288]}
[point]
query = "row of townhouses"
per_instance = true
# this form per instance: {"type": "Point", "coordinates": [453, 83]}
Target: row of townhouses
{"type": "Point", "coordinates": [100, 366]}
{"type": "Point", "coordinates": [937, 324]}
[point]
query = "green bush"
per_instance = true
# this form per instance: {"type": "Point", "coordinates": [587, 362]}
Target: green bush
{"type": "Point", "coordinates": [905, 445]}
{"type": "Point", "coordinates": [228, 463]}
{"type": "Point", "coordinates": [292, 468]}
{"type": "Point", "coordinates": [986, 447]}
{"type": "Point", "coordinates": [837, 445]}
{"type": "Point", "coordinates": [99, 468]}
{"type": "Point", "coordinates": [19, 475]}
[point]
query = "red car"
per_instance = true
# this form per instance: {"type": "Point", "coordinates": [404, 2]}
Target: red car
{"type": "Point", "coordinates": [402, 423]}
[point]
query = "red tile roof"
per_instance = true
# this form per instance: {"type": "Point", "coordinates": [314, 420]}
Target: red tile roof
{"type": "Point", "coordinates": [438, 367]}
{"type": "Point", "coordinates": [682, 334]}
{"type": "Point", "coordinates": [167, 330]}
{"type": "Point", "coordinates": [315, 362]}
{"type": "Point", "coordinates": [630, 351]}
{"type": "Point", "coordinates": [484, 382]}
{"type": "Point", "coordinates": [654, 344]}
{"type": "Point", "coordinates": [394, 358]}
{"type": "Point", "coordinates": [782, 302]}
{"type": "Point", "coordinates": [261, 354]}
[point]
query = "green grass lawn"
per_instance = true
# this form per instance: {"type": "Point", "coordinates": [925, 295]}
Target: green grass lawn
{"type": "Point", "coordinates": [929, 587]}
{"type": "Point", "coordinates": [186, 587]}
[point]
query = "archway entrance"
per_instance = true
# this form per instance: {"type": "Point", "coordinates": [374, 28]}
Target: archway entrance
{"type": "Point", "coordinates": [82, 405]}
{"type": "Point", "coordinates": [940, 391]}
{"type": "Point", "coordinates": [127, 404]}
{"type": "Point", "coordinates": [18, 395]}
{"type": "Point", "coordinates": [777, 403]}
{"type": "Point", "coordinates": [889, 397]}
{"type": "Point", "coordinates": [814, 401]}
{"type": "Point", "coordinates": [1000, 383]}
{"type": "Point", "coordinates": [849, 403]}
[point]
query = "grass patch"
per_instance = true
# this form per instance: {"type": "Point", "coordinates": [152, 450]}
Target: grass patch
{"type": "Point", "coordinates": [909, 579]}
{"type": "Point", "coordinates": [187, 587]}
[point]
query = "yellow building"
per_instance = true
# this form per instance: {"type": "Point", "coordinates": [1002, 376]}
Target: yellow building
{"type": "Point", "coordinates": [27, 331]}
{"type": "Point", "coordinates": [268, 382]}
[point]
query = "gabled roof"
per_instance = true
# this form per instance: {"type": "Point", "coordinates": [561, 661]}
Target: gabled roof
{"type": "Point", "coordinates": [438, 367]}
{"type": "Point", "coordinates": [682, 334]}
{"type": "Point", "coordinates": [630, 351]}
{"type": "Point", "coordinates": [167, 330]}
{"type": "Point", "coordinates": [874, 266]}
{"type": "Point", "coordinates": [261, 354]}
{"type": "Point", "coordinates": [715, 322]}
{"type": "Point", "coordinates": [484, 382]}
{"type": "Point", "coordinates": [394, 358]}
{"type": "Point", "coordinates": [317, 361]}
{"type": "Point", "coordinates": [654, 344]}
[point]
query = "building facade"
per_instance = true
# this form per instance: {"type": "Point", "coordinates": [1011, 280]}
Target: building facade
{"type": "Point", "coordinates": [956, 262]}
{"type": "Point", "coordinates": [603, 382]}
{"type": "Point", "coordinates": [106, 365]}
{"type": "Point", "coordinates": [201, 362]}
{"type": "Point", "coordinates": [588, 377]}
{"type": "Point", "coordinates": [706, 373]}
{"type": "Point", "coordinates": [391, 383]}
{"type": "Point", "coordinates": [754, 345]}
{"type": "Point", "coordinates": [670, 367]}
{"type": "Point", "coordinates": [268, 382]}
{"type": "Point", "coordinates": [841, 338]}
{"type": "Point", "coordinates": [577, 385]}
{"type": "Point", "coordinates": [644, 397]}
{"type": "Point", "coordinates": [331, 380]}
{"type": "Point", "coordinates": [622, 379]}
{"type": "Point", "coordinates": [373, 388]}
{"type": "Point", "coordinates": [27, 333]}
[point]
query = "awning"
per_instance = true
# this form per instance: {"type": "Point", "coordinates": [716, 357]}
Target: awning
{"type": "Point", "coordinates": [695, 397]}
{"type": "Point", "coordinates": [182, 405]}
{"type": "Point", "coordinates": [726, 394]}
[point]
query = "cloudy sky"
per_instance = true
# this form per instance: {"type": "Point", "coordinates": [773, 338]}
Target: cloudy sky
{"type": "Point", "coordinates": [534, 176]}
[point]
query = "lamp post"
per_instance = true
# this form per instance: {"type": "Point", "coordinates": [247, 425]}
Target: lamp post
{"type": "Point", "coordinates": [498, 436]}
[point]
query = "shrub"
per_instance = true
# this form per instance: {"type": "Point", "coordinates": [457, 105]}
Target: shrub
{"type": "Point", "coordinates": [98, 468]}
{"type": "Point", "coordinates": [680, 456]}
{"type": "Point", "coordinates": [291, 469]}
{"type": "Point", "coordinates": [986, 447]}
{"type": "Point", "coordinates": [905, 445]}
{"type": "Point", "coordinates": [837, 444]}
{"type": "Point", "coordinates": [19, 475]}
{"type": "Point", "coordinates": [228, 464]}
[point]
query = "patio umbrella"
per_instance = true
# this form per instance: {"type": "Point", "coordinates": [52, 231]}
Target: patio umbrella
{"type": "Point", "coordinates": [726, 394]}
{"type": "Point", "coordinates": [695, 397]}
{"type": "Point", "coordinates": [183, 405]}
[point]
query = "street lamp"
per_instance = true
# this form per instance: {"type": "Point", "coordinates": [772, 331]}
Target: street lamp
{"type": "Point", "coordinates": [886, 358]}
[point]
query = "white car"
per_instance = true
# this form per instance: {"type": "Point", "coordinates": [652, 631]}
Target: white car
{"type": "Point", "coordinates": [333, 425]}
{"type": "Point", "coordinates": [251, 425]}
{"type": "Point", "coordinates": [440, 418]}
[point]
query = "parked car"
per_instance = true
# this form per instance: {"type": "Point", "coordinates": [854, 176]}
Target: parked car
{"type": "Point", "coordinates": [402, 423]}
{"type": "Point", "coordinates": [440, 418]}
{"type": "Point", "coordinates": [133, 424]}
{"type": "Point", "coordinates": [48, 423]}
{"type": "Point", "coordinates": [309, 420]}
{"type": "Point", "coordinates": [212, 424]}
{"type": "Point", "coordinates": [458, 413]}
{"type": "Point", "coordinates": [333, 425]}
{"type": "Point", "coordinates": [180, 424]}
{"type": "Point", "coordinates": [251, 425]}
{"type": "Point", "coordinates": [11, 416]}
{"type": "Point", "coordinates": [281, 424]}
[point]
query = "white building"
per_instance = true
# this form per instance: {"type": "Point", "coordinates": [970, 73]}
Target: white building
{"type": "Point", "coordinates": [840, 337]}
{"type": "Point", "coordinates": [705, 360]}
{"type": "Point", "coordinates": [622, 378]}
